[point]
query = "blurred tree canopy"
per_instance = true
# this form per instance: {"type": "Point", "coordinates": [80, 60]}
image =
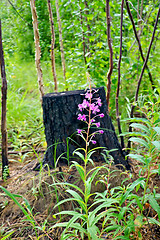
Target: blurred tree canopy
{"type": "Point", "coordinates": [84, 36]}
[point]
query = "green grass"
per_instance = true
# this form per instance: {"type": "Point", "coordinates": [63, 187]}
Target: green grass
{"type": "Point", "coordinates": [25, 130]}
{"type": "Point", "coordinates": [24, 112]}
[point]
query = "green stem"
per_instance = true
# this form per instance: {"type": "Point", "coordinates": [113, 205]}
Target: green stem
{"type": "Point", "coordinates": [85, 162]}
{"type": "Point", "coordinates": [146, 185]}
{"type": "Point", "coordinates": [149, 167]}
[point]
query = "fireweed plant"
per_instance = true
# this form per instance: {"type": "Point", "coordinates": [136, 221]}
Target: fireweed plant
{"type": "Point", "coordinates": [84, 221]}
{"type": "Point", "coordinates": [92, 106]}
{"type": "Point", "coordinates": [118, 212]}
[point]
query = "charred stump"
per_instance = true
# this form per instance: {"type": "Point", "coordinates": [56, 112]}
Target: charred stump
{"type": "Point", "coordinates": [60, 112]}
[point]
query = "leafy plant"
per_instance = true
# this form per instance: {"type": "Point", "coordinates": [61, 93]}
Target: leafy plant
{"type": "Point", "coordinates": [27, 210]}
{"type": "Point", "coordinates": [87, 226]}
{"type": "Point", "coordinates": [85, 44]}
{"type": "Point", "coordinates": [147, 137]}
{"type": "Point", "coordinates": [5, 173]}
{"type": "Point", "coordinates": [121, 210]}
{"type": "Point", "coordinates": [6, 235]}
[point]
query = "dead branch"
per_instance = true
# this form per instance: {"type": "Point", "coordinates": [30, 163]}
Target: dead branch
{"type": "Point", "coordinates": [140, 31]}
{"type": "Point", "coordinates": [111, 51]}
{"type": "Point", "coordinates": [37, 48]}
{"type": "Point", "coordinates": [4, 110]}
{"type": "Point", "coordinates": [88, 27]}
{"type": "Point", "coordinates": [61, 43]}
{"type": "Point", "coordinates": [139, 44]}
{"type": "Point", "coordinates": [142, 71]}
{"type": "Point", "coordinates": [119, 79]}
{"type": "Point", "coordinates": [83, 37]}
{"type": "Point", "coordinates": [52, 46]}
{"type": "Point", "coordinates": [141, 8]}
{"type": "Point", "coordinates": [17, 12]}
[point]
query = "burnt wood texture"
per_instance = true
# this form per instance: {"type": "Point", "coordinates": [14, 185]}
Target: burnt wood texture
{"type": "Point", "coordinates": [4, 143]}
{"type": "Point", "coordinates": [60, 112]}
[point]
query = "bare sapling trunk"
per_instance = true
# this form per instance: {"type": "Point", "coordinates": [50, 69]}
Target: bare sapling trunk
{"type": "Point", "coordinates": [139, 43]}
{"type": "Point", "coordinates": [37, 48]}
{"type": "Point", "coordinates": [119, 79]}
{"type": "Point", "coordinates": [83, 38]}
{"type": "Point", "coordinates": [61, 43]}
{"type": "Point", "coordinates": [141, 8]}
{"type": "Point", "coordinates": [139, 16]}
{"type": "Point", "coordinates": [52, 46]}
{"type": "Point", "coordinates": [110, 50]}
{"type": "Point", "coordinates": [5, 169]}
{"type": "Point", "coordinates": [138, 8]}
{"type": "Point", "coordinates": [142, 71]}
{"type": "Point", "coordinates": [88, 27]}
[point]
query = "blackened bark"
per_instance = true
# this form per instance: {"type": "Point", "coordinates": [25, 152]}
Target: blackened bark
{"type": "Point", "coordinates": [119, 79]}
{"type": "Point", "coordinates": [60, 111]}
{"type": "Point", "coordinates": [138, 40]}
{"type": "Point", "coordinates": [4, 110]}
{"type": "Point", "coordinates": [110, 50]}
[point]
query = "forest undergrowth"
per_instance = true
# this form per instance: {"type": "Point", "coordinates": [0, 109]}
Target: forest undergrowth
{"type": "Point", "coordinates": [87, 201]}
{"type": "Point", "coordinates": [91, 200]}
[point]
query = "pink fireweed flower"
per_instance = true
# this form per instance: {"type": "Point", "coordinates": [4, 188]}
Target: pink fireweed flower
{"type": "Point", "coordinates": [93, 141]}
{"type": "Point", "coordinates": [80, 107]}
{"type": "Point", "coordinates": [97, 124]}
{"type": "Point", "coordinates": [101, 115]}
{"type": "Point", "coordinates": [101, 131]}
{"type": "Point", "coordinates": [93, 120]}
{"type": "Point", "coordinates": [84, 105]}
{"type": "Point", "coordinates": [88, 95]}
{"type": "Point", "coordinates": [79, 131]}
{"type": "Point", "coordinates": [96, 109]}
{"type": "Point", "coordinates": [81, 117]}
{"type": "Point", "coordinates": [99, 102]}
{"type": "Point", "coordinates": [92, 106]}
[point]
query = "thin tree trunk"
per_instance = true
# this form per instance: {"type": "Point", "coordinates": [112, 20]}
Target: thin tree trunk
{"type": "Point", "coordinates": [88, 28]}
{"type": "Point", "coordinates": [61, 43]}
{"type": "Point", "coordinates": [119, 79]}
{"type": "Point", "coordinates": [111, 51]}
{"type": "Point", "coordinates": [17, 12]}
{"type": "Point", "coordinates": [141, 11]}
{"type": "Point", "coordinates": [139, 34]}
{"type": "Point", "coordinates": [139, 16]}
{"type": "Point", "coordinates": [141, 75]}
{"type": "Point", "coordinates": [144, 24]}
{"type": "Point", "coordinates": [52, 46]}
{"type": "Point", "coordinates": [37, 48]}
{"type": "Point", "coordinates": [83, 37]}
{"type": "Point", "coordinates": [139, 44]}
{"type": "Point", "coordinates": [138, 9]}
{"type": "Point", "coordinates": [5, 169]}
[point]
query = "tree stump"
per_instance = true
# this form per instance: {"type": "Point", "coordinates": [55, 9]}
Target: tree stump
{"type": "Point", "coordinates": [60, 112]}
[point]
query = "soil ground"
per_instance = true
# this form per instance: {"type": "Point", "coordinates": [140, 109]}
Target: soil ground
{"type": "Point", "coordinates": [39, 189]}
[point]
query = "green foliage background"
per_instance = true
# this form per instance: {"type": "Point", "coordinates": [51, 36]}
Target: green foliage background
{"type": "Point", "coordinates": [124, 216]}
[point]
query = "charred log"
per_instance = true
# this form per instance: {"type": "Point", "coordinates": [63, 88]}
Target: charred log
{"type": "Point", "coordinates": [60, 111]}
